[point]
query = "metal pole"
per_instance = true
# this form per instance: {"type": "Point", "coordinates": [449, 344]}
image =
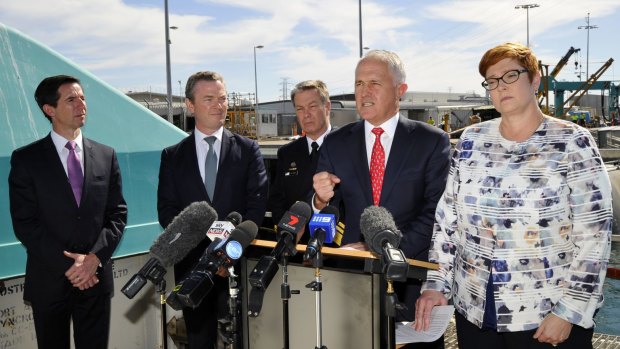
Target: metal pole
{"type": "Point", "coordinates": [360, 27]}
{"type": "Point", "coordinates": [527, 16]}
{"type": "Point", "coordinates": [527, 8]}
{"type": "Point", "coordinates": [168, 78]}
{"type": "Point", "coordinates": [256, 92]}
{"type": "Point", "coordinates": [587, 27]}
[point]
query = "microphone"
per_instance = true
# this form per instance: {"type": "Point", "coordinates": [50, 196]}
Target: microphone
{"type": "Point", "coordinates": [383, 237]}
{"type": "Point", "coordinates": [182, 234]}
{"type": "Point", "coordinates": [291, 223]}
{"type": "Point", "coordinates": [294, 220]}
{"type": "Point", "coordinates": [322, 230]}
{"type": "Point", "coordinates": [222, 229]}
{"type": "Point", "coordinates": [220, 253]}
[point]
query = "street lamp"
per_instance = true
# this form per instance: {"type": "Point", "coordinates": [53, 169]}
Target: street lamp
{"type": "Point", "coordinates": [168, 78]}
{"type": "Point", "coordinates": [360, 27]}
{"type": "Point", "coordinates": [527, 8]}
{"type": "Point", "coordinates": [587, 27]}
{"type": "Point", "coordinates": [256, 90]}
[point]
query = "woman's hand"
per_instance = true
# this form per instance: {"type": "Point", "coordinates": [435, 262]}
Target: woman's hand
{"type": "Point", "coordinates": [553, 330]}
{"type": "Point", "coordinates": [423, 307]}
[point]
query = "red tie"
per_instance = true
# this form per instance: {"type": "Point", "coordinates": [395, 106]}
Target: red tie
{"type": "Point", "coordinates": [377, 166]}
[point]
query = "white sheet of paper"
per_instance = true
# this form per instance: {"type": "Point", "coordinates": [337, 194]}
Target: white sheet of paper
{"type": "Point", "coordinates": [440, 318]}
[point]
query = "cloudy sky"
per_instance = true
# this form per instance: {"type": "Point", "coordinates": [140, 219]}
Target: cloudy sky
{"type": "Point", "coordinates": [123, 41]}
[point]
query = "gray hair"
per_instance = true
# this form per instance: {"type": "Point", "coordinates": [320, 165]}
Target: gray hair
{"type": "Point", "coordinates": [395, 65]}
{"type": "Point", "coordinates": [317, 85]}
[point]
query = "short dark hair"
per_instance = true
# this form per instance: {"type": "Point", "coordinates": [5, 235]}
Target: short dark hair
{"type": "Point", "coordinates": [201, 75]}
{"type": "Point", "coordinates": [47, 91]}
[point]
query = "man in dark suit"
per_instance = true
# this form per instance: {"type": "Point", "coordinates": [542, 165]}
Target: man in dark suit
{"type": "Point", "coordinates": [217, 166]}
{"type": "Point", "coordinates": [385, 160]}
{"type": "Point", "coordinates": [68, 210]}
{"type": "Point", "coordinates": [297, 160]}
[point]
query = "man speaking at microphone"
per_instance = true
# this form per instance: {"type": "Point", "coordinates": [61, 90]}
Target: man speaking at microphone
{"type": "Point", "coordinates": [385, 160]}
{"type": "Point", "coordinates": [215, 165]}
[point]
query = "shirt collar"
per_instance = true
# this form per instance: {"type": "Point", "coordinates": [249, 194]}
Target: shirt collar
{"type": "Point", "coordinates": [60, 141]}
{"type": "Point", "coordinates": [319, 140]}
{"type": "Point", "coordinates": [199, 136]}
{"type": "Point", "coordinates": [389, 126]}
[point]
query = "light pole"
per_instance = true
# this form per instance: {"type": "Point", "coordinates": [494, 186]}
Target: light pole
{"type": "Point", "coordinates": [168, 78]}
{"type": "Point", "coordinates": [256, 91]}
{"type": "Point", "coordinates": [360, 25]}
{"type": "Point", "coordinates": [587, 27]}
{"type": "Point", "coordinates": [181, 99]}
{"type": "Point", "coordinates": [527, 8]}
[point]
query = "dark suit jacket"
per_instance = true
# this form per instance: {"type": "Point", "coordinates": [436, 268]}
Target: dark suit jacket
{"type": "Point", "coordinates": [415, 177]}
{"type": "Point", "coordinates": [293, 179]}
{"type": "Point", "coordinates": [241, 185]}
{"type": "Point", "coordinates": [47, 220]}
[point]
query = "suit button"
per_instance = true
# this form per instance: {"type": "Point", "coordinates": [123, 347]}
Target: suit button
{"type": "Point", "coordinates": [79, 218]}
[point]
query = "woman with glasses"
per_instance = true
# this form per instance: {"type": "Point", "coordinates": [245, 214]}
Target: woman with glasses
{"type": "Point", "coordinates": [522, 231]}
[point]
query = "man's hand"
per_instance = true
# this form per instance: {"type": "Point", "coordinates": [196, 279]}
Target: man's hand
{"type": "Point", "coordinates": [323, 184]}
{"type": "Point", "coordinates": [360, 246]}
{"type": "Point", "coordinates": [83, 272]}
{"type": "Point", "coordinates": [553, 330]}
{"type": "Point", "coordinates": [423, 306]}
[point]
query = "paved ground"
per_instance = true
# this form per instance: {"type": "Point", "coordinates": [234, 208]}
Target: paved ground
{"type": "Point", "coordinates": [600, 341]}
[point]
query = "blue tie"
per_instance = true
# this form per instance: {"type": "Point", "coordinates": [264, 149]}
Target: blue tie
{"type": "Point", "coordinates": [210, 167]}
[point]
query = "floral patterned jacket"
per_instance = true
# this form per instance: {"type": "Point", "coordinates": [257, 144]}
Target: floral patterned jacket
{"type": "Point", "coordinates": [537, 214]}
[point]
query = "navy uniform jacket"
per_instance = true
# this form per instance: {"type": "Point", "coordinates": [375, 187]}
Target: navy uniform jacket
{"type": "Point", "coordinates": [293, 179]}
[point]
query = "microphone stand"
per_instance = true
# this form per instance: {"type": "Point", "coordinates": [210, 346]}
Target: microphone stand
{"type": "Point", "coordinates": [317, 286]}
{"type": "Point", "coordinates": [391, 304]}
{"type": "Point", "coordinates": [395, 268]}
{"type": "Point", "coordinates": [230, 323]}
{"type": "Point", "coordinates": [285, 289]}
{"type": "Point", "coordinates": [161, 289]}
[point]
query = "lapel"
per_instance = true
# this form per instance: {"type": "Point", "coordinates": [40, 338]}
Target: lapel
{"type": "Point", "coordinates": [57, 174]}
{"type": "Point", "coordinates": [399, 153]}
{"type": "Point", "coordinates": [228, 144]}
{"type": "Point", "coordinates": [301, 155]}
{"type": "Point", "coordinates": [360, 162]}
{"type": "Point", "coordinates": [89, 166]}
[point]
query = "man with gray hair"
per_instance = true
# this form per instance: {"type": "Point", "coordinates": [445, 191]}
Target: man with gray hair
{"type": "Point", "coordinates": [385, 160]}
{"type": "Point", "coordinates": [297, 160]}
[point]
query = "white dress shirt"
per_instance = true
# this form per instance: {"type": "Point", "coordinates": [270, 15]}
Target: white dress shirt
{"type": "Point", "coordinates": [60, 142]}
{"type": "Point", "coordinates": [387, 137]}
{"type": "Point", "coordinates": [202, 147]}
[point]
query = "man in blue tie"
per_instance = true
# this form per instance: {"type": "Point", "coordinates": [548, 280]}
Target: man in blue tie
{"type": "Point", "coordinates": [220, 167]}
{"type": "Point", "coordinates": [68, 211]}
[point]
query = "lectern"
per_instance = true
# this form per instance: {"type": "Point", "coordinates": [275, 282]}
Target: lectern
{"type": "Point", "coordinates": [351, 302]}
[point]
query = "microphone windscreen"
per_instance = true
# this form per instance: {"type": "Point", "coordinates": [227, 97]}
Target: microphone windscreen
{"type": "Point", "coordinates": [184, 233]}
{"type": "Point", "coordinates": [378, 227]}
{"type": "Point", "coordinates": [329, 209]}
{"type": "Point", "coordinates": [234, 217]}
{"type": "Point", "coordinates": [294, 220]}
{"type": "Point", "coordinates": [244, 233]}
{"type": "Point", "coordinates": [302, 209]}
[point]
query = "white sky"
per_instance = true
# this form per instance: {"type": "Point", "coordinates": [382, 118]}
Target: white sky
{"type": "Point", "coordinates": [440, 42]}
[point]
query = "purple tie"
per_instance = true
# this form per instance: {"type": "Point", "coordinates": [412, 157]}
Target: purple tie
{"type": "Point", "coordinates": [74, 169]}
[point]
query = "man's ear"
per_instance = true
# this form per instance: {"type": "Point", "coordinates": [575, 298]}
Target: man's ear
{"type": "Point", "coordinates": [49, 110]}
